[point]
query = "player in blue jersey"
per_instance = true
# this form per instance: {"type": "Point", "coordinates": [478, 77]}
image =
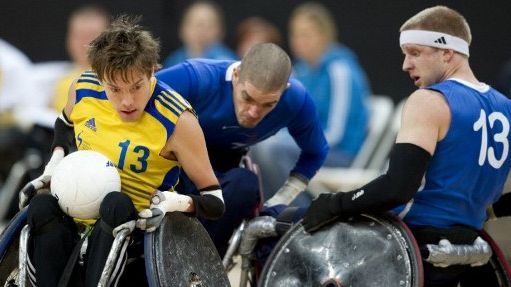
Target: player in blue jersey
{"type": "Point", "coordinates": [240, 104]}
{"type": "Point", "coordinates": [128, 107]}
{"type": "Point", "coordinates": [455, 133]}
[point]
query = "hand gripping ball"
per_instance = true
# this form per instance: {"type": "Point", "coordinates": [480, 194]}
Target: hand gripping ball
{"type": "Point", "coordinates": [81, 181]}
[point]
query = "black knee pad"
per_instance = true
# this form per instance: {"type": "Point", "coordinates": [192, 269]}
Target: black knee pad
{"type": "Point", "coordinates": [43, 208]}
{"type": "Point", "coordinates": [116, 209]}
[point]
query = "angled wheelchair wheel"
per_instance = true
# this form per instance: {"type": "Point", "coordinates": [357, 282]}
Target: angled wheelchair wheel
{"type": "Point", "coordinates": [181, 253]}
{"type": "Point", "coordinates": [496, 272]}
{"type": "Point", "coordinates": [364, 250]}
{"type": "Point", "coordinates": [9, 246]}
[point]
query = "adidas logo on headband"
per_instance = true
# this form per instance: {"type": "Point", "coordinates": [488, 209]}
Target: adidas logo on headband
{"type": "Point", "coordinates": [434, 39]}
{"type": "Point", "coordinates": [441, 40]}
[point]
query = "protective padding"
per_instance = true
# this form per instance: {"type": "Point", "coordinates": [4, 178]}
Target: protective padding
{"type": "Point", "coordinates": [181, 253]}
{"type": "Point", "coordinates": [364, 250]}
{"type": "Point", "coordinates": [496, 273]}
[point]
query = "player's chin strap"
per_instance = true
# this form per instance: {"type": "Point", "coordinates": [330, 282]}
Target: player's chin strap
{"type": "Point", "coordinates": [445, 254]}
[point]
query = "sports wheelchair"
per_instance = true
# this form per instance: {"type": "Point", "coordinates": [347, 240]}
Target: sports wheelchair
{"type": "Point", "coordinates": [179, 253]}
{"type": "Point", "coordinates": [363, 250]}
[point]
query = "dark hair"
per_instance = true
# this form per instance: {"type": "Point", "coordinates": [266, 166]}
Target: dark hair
{"type": "Point", "coordinates": [124, 46]}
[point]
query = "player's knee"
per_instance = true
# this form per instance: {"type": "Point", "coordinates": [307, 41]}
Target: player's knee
{"type": "Point", "coordinates": [43, 208]}
{"type": "Point", "coordinates": [117, 208]}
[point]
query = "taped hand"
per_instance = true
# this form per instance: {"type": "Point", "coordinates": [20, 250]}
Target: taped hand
{"type": "Point", "coordinates": [43, 181]}
{"type": "Point", "coordinates": [288, 192]}
{"type": "Point", "coordinates": [150, 219]}
{"type": "Point", "coordinates": [161, 203]}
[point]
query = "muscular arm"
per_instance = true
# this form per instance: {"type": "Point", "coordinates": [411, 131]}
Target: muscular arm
{"type": "Point", "coordinates": [188, 145]}
{"type": "Point", "coordinates": [425, 121]}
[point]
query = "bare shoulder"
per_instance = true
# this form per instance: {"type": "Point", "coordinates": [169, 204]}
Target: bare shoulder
{"type": "Point", "coordinates": [427, 105]}
{"type": "Point", "coordinates": [425, 119]}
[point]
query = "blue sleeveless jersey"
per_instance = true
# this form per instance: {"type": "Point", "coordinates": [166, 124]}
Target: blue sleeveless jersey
{"type": "Point", "coordinates": [207, 85]}
{"type": "Point", "coordinates": [470, 165]}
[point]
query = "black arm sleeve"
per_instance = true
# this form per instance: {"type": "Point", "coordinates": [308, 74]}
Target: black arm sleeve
{"type": "Point", "coordinates": [407, 166]}
{"type": "Point", "coordinates": [208, 206]}
{"type": "Point", "coordinates": [63, 134]}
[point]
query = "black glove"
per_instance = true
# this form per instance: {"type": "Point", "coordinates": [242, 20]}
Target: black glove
{"type": "Point", "coordinates": [322, 211]}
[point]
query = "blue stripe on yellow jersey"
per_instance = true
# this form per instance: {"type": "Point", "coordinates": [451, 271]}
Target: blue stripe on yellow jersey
{"type": "Point", "coordinates": [134, 147]}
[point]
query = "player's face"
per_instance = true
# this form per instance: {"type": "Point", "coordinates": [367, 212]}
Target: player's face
{"type": "Point", "coordinates": [129, 98]}
{"type": "Point", "coordinates": [424, 64]}
{"type": "Point", "coordinates": [251, 104]}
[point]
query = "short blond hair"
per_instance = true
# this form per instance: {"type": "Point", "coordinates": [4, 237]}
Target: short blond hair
{"type": "Point", "coordinates": [266, 66]}
{"type": "Point", "coordinates": [440, 19]}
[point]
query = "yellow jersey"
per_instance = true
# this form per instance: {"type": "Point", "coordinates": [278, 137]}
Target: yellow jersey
{"type": "Point", "coordinates": [134, 147]}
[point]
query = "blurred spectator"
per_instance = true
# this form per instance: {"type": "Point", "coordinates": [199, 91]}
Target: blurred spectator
{"type": "Point", "coordinates": [52, 79]}
{"type": "Point", "coordinates": [84, 25]}
{"type": "Point", "coordinates": [46, 88]}
{"type": "Point", "coordinates": [14, 89]}
{"type": "Point", "coordinates": [14, 68]}
{"type": "Point", "coordinates": [331, 73]}
{"type": "Point", "coordinates": [201, 31]}
{"type": "Point", "coordinates": [255, 30]}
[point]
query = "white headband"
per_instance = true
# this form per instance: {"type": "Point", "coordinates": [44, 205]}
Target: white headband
{"type": "Point", "coordinates": [434, 39]}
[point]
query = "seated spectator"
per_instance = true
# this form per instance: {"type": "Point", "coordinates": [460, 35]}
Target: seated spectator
{"type": "Point", "coordinates": [255, 30]}
{"type": "Point", "coordinates": [331, 73]}
{"type": "Point", "coordinates": [201, 32]}
{"type": "Point", "coordinates": [14, 88]}
{"type": "Point", "coordinates": [84, 25]}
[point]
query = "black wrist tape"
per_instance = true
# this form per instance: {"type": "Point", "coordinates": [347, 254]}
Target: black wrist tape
{"type": "Point", "coordinates": [208, 206]}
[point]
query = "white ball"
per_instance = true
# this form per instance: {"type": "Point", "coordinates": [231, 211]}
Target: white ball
{"type": "Point", "coordinates": [81, 181]}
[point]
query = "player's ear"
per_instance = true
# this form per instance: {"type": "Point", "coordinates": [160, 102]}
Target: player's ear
{"type": "Point", "coordinates": [235, 75]}
{"type": "Point", "coordinates": [448, 54]}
